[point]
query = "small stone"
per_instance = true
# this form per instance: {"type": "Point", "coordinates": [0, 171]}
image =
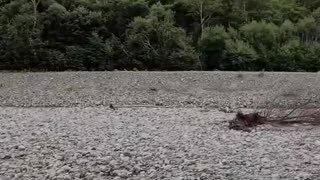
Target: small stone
{"type": "Point", "coordinates": [248, 139]}
{"type": "Point", "coordinates": [82, 161]}
{"type": "Point", "coordinates": [36, 133]}
{"type": "Point", "coordinates": [122, 173]}
{"type": "Point", "coordinates": [151, 170]}
{"type": "Point", "coordinates": [137, 168]}
{"type": "Point", "coordinates": [317, 157]}
{"type": "Point", "coordinates": [226, 110]}
{"type": "Point", "coordinates": [266, 171]}
{"type": "Point", "coordinates": [166, 161]}
{"type": "Point", "coordinates": [303, 176]}
{"type": "Point", "coordinates": [103, 168]}
{"type": "Point", "coordinates": [21, 148]}
{"type": "Point", "coordinates": [64, 177]}
{"type": "Point", "coordinates": [82, 175]}
{"type": "Point", "coordinates": [113, 163]}
{"type": "Point", "coordinates": [20, 155]}
{"type": "Point", "coordinates": [204, 175]}
{"type": "Point", "coordinates": [89, 175]}
{"type": "Point", "coordinates": [105, 159]}
{"type": "Point", "coordinates": [125, 158]}
{"type": "Point", "coordinates": [275, 176]}
{"type": "Point", "coordinates": [144, 136]}
{"type": "Point", "coordinates": [18, 176]}
{"type": "Point", "coordinates": [6, 157]}
{"type": "Point", "coordinates": [127, 154]}
{"type": "Point", "coordinates": [201, 167]}
{"type": "Point", "coordinates": [64, 169]}
{"type": "Point", "coordinates": [59, 157]}
{"type": "Point", "coordinates": [51, 173]}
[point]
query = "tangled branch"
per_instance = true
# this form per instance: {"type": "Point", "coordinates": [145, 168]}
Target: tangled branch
{"type": "Point", "coordinates": [300, 114]}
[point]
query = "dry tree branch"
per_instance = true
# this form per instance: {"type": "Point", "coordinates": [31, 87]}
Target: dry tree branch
{"type": "Point", "coordinates": [296, 108]}
{"type": "Point", "coordinates": [300, 114]}
{"type": "Point", "coordinates": [303, 108]}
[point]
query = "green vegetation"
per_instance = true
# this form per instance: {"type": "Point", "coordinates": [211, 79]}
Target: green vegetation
{"type": "Point", "coordinates": [241, 35]}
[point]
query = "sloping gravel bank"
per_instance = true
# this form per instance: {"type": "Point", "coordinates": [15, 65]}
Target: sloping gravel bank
{"type": "Point", "coordinates": [147, 143]}
{"type": "Point", "coordinates": [194, 89]}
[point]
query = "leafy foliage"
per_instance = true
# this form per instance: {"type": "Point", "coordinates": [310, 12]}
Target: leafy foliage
{"type": "Point", "coordinates": [275, 35]}
{"type": "Point", "coordinates": [158, 44]}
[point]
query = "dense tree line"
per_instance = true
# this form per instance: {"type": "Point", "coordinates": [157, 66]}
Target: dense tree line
{"type": "Point", "coordinates": [252, 35]}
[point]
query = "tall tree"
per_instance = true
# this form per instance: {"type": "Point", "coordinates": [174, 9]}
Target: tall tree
{"type": "Point", "coordinates": [158, 44]}
{"type": "Point", "coordinates": [202, 10]}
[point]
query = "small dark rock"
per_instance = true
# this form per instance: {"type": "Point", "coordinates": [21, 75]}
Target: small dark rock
{"type": "Point", "coordinates": [6, 157]}
{"type": "Point", "coordinates": [112, 107]}
{"type": "Point", "coordinates": [159, 104]}
{"type": "Point", "coordinates": [82, 175]}
{"type": "Point", "coordinates": [153, 89]}
{"type": "Point", "coordinates": [127, 154]}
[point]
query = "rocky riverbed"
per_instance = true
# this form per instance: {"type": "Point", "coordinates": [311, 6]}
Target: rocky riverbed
{"type": "Point", "coordinates": [59, 126]}
{"type": "Point", "coordinates": [179, 89]}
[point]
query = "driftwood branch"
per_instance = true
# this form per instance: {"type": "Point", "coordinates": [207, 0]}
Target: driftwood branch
{"type": "Point", "coordinates": [299, 114]}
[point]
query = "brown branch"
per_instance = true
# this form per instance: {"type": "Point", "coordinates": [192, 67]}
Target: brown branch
{"type": "Point", "coordinates": [298, 115]}
{"type": "Point", "coordinates": [296, 108]}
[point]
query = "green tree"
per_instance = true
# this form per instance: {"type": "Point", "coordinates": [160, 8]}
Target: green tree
{"type": "Point", "coordinates": [156, 43]}
{"type": "Point", "coordinates": [288, 31]}
{"type": "Point", "coordinates": [258, 10]}
{"type": "Point", "coordinates": [20, 35]}
{"type": "Point", "coordinates": [264, 38]}
{"type": "Point", "coordinates": [203, 11]}
{"type": "Point", "coordinates": [287, 57]}
{"type": "Point", "coordinates": [212, 45]}
{"type": "Point", "coordinates": [239, 56]}
{"type": "Point", "coordinates": [160, 34]}
{"type": "Point", "coordinates": [308, 29]}
{"type": "Point", "coordinates": [287, 10]}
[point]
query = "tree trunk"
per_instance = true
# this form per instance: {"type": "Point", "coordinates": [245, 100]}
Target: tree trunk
{"type": "Point", "coordinates": [35, 13]}
{"type": "Point", "coordinates": [201, 16]}
{"type": "Point", "coordinates": [245, 11]}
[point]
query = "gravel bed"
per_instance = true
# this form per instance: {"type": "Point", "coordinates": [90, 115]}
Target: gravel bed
{"type": "Point", "coordinates": [149, 143]}
{"type": "Point", "coordinates": [58, 126]}
{"type": "Point", "coordinates": [182, 89]}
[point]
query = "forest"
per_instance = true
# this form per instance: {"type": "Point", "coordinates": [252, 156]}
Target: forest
{"type": "Point", "coordinates": [154, 35]}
